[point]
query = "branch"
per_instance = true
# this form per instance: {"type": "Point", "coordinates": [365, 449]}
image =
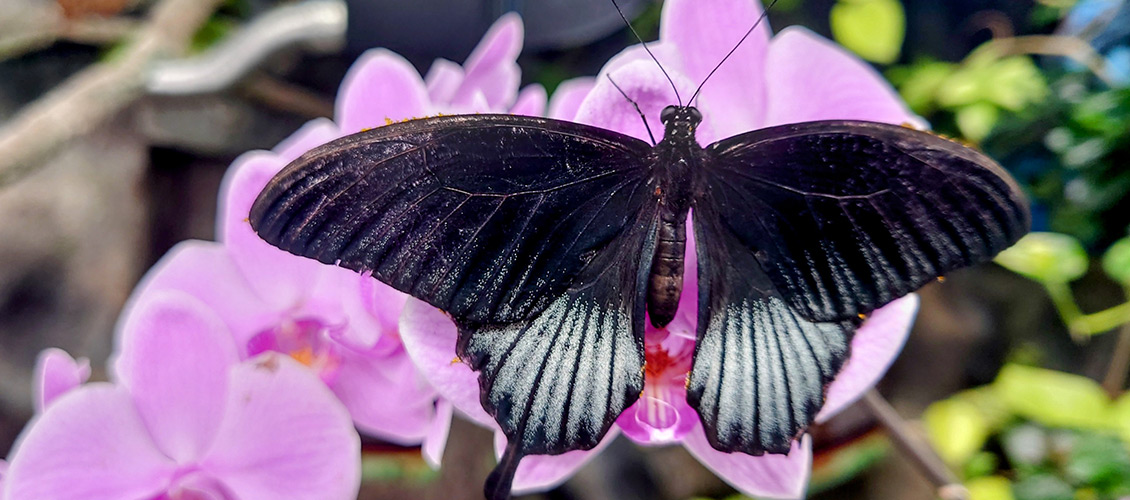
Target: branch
{"type": "Point", "coordinates": [1116, 372]}
{"type": "Point", "coordinates": [87, 99]}
{"type": "Point", "coordinates": [91, 31]}
{"type": "Point", "coordinates": [1070, 47]}
{"type": "Point", "coordinates": [914, 447]}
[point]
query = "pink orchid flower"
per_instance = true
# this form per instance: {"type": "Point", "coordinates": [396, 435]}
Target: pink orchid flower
{"type": "Point", "coordinates": [795, 76]}
{"type": "Point", "coordinates": [339, 323]}
{"type": "Point", "coordinates": [184, 418]}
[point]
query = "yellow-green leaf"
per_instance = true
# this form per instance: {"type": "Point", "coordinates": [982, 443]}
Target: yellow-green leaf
{"type": "Point", "coordinates": [956, 428]}
{"type": "Point", "coordinates": [989, 488]}
{"type": "Point", "coordinates": [976, 120]}
{"type": "Point", "coordinates": [922, 83]}
{"type": "Point", "coordinates": [1122, 417]}
{"type": "Point", "coordinates": [1053, 398]}
{"type": "Point", "coordinates": [1116, 261]}
{"type": "Point", "coordinates": [874, 29]}
{"type": "Point", "coordinates": [1046, 257]}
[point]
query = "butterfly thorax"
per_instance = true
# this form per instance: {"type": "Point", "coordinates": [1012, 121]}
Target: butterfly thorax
{"type": "Point", "coordinates": [674, 158]}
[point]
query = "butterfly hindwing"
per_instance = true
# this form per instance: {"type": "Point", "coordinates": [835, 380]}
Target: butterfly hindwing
{"type": "Point", "coordinates": [760, 368]}
{"type": "Point", "coordinates": [488, 217]}
{"type": "Point", "coordinates": [556, 383]}
{"type": "Point", "coordinates": [846, 216]}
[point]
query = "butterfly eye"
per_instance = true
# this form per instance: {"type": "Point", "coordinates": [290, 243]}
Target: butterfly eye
{"type": "Point", "coordinates": [695, 115]}
{"type": "Point", "coordinates": [668, 114]}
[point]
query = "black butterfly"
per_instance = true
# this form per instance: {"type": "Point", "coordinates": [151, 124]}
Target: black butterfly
{"type": "Point", "coordinates": [545, 239]}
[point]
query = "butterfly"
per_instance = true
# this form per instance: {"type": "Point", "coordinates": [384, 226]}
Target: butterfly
{"type": "Point", "coordinates": [551, 243]}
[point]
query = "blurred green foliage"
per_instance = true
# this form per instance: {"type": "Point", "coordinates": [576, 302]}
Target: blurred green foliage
{"type": "Point", "coordinates": [1046, 257]}
{"type": "Point", "coordinates": [874, 29]}
{"type": "Point", "coordinates": [1035, 434]}
{"type": "Point", "coordinates": [972, 95]}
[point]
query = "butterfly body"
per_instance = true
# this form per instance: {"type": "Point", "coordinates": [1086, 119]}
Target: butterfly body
{"type": "Point", "coordinates": [676, 157]}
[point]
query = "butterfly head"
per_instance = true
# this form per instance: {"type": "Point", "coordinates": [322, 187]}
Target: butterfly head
{"type": "Point", "coordinates": [680, 121]}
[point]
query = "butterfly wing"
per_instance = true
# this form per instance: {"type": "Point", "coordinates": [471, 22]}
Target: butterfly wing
{"type": "Point", "coordinates": [488, 217]}
{"type": "Point", "coordinates": [802, 229]}
{"type": "Point", "coordinates": [529, 232]}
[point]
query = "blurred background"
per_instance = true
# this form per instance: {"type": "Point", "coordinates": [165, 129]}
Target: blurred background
{"type": "Point", "coordinates": [1015, 371]}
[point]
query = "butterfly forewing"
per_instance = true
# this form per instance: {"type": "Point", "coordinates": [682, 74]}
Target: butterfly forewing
{"type": "Point", "coordinates": [488, 217]}
{"type": "Point", "coordinates": [847, 216]}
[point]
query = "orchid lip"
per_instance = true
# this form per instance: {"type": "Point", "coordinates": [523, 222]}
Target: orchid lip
{"type": "Point", "coordinates": [309, 341]}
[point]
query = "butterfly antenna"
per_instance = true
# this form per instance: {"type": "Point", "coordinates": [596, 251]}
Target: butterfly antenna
{"type": "Point", "coordinates": [644, 44]}
{"type": "Point", "coordinates": [638, 110]}
{"type": "Point", "coordinates": [739, 44]}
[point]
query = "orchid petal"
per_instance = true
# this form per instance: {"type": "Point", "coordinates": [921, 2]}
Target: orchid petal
{"type": "Point", "coordinates": [531, 101]}
{"type": "Point", "coordinates": [380, 86]}
{"type": "Point", "coordinates": [734, 99]}
{"type": "Point", "coordinates": [205, 270]}
{"type": "Point", "coordinates": [666, 53]}
{"type": "Point", "coordinates": [174, 360]}
{"type": "Point", "coordinates": [491, 67]}
{"type": "Point", "coordinates": [386, 396]}
{"type": "Point", "coordinates": [284, 435]}
{"type": "Point", "coordinates": [766, 476]}
{"type": "Point", "coordinates": [435, 440]}
{"type": "Point", "coordinates": [56, 374]}
{"type": "Point", "coordinates": [90, 444]}
{"type": "Point", "coordinates": [311, 135]}
{"type": "Point", "coordinates": [443, 79]}
{"type": "Point", "coordinates": [568, 97]}
{"type": "Point", "coordinates": [542, 472]}
{"type": "Point", "coordinates": [642, 81]}
{"type": "Point", "coordinates": [809, 77]}
{"type": "Point", "coordinates": [281, 279]}
{"type": "Point", "coordinates": [198, 486]}
{"type": "Point", "coordinates": [359, 309]}
{"type": "Point", "coordinates": [874, 347]}
{"type": "Point", "coordinates": [429, 337]}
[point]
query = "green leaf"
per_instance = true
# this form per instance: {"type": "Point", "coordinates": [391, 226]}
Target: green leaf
{"type": "Point", "coordinates": [1122, 417]}
{"type": "Point", "coordinates": [1116, 261]}
{"type": "Point", "coordinates": [976, 120]}
{"type": "Point", "coordinates": [1055, 399]}
{"type": "Point", "coordinates": [1098, 460]}
{"type": "Point", "coordinates": [1010, 83]}
{"type": "Point", "coordinates": [1042, 487]}
{"type": "Point", "coordinates": [874, 29]}
{"type": "Point", "coordinates": [989, 488]}
{"type": "Point", "coordinates": [1046, 257]}
{"type": "Point", "coordinates": [956, 428]}
{"type": "Point", "coordinates": [920, 82]}
{"type": "Point", "coordinates": [1015, 82]}
{"type": "Point", "coordinates": [982, 463]}
{"type": "Point", "coordinates": [990, 406]}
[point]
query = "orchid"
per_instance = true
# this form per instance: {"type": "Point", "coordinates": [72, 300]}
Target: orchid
{"type": "Point", "coordinates": [184, 418]}
{"type": "Point", "coordinates": [341, 324]}
{"type": "Point", "coordinates": [792, 77]}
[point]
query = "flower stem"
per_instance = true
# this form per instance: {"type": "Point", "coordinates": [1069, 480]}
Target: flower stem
{"type": "Point", "coordinates": [1102, 321]}
{"type": "Point", "coordinates": [914, 447]}
{"type": "Point", "coordinates": [1082, 325]}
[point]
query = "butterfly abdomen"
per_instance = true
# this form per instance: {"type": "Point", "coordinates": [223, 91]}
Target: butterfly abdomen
{"type": "Point", "coordinates": [665, 283]}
